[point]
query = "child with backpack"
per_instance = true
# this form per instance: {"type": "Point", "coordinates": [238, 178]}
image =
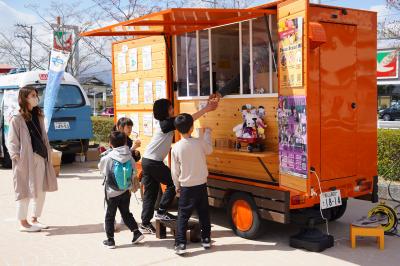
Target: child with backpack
{"type": "Point", "coordinates": [189, 173]}
{"type": "Point", "coordinates": [119, 170]}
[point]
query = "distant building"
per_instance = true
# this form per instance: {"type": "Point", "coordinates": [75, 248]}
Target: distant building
{"type": "Point", "coordinates": [4, 68]}
{"type": "Point", "coordinates": [99, 93]}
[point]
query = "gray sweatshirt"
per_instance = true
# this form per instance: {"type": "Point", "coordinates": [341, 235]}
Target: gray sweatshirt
{"type": "Point", "coordinates": [188, 162]}
{"type": "Point", "coordinates": [122, 155]}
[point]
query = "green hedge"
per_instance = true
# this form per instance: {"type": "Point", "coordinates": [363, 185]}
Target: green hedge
{"type": "Point", "coordinates": [101, 128]}
{"type": "Point", "coordinates": [389, 154]}
{"type": "Point", "coordinates": [388, 146]}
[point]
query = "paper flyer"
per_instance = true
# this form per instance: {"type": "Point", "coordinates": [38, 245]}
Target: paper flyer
{"type": "Point", "coordinates": [146, 57]}
{"type": "Point", "coordinates": [160, 89]}
{"type": "Point", "coordinates": [135, 119]}
{"type": "Point", "coordinates": [121, 63]}
{"type": "Point", "coordinates": [148, 124]}
{"type": "Point", "coordinates": [148, 92]}
{"type": "Point", "coordinates": [120, 115]}
{"type": "Point", "coordinates": [132, 54]}
{"type": "Point", "coordinates": [123, 93]}
{"type": "Point", "coordinates": [134, 91]}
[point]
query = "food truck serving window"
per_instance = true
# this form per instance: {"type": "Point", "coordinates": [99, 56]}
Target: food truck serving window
{"type": "Point", "coordinates": [235, 58]}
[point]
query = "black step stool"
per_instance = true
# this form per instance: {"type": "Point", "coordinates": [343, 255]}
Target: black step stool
{"type": "Point", "coordinates": [193, 228]}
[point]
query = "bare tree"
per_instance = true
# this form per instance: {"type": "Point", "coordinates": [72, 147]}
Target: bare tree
{"type": "Point", "coordinates": [93, 51]}
{"type": "Point", "coordinates": [389, 27]}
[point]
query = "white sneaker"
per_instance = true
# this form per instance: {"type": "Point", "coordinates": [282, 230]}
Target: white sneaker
{"type": "Point", "coordinates": [32, 228]}
{"type": "Point", "coordinates": [40, 225]}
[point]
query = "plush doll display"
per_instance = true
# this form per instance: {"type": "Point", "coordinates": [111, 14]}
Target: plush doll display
{"type": "Point", "coordinates": [252, 130]}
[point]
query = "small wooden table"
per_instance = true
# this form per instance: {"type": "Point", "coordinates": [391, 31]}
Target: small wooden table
{"type": "Point", "coordinates": [193, 228]}
{"type": "Point", "coordinates": [367, 231]}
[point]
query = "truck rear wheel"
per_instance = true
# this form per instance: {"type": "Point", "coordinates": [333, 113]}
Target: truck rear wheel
{"type": "Point", "coordinates": [338, 211]}
{"type": "Point", "coordinates": [243, 216]}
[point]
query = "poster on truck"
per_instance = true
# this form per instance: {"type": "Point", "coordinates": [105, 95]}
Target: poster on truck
{"type": "Point", "coordinates": [292, 120]}
{"type": "Point", "coordinates": [10, 108]}
{"type": "Point", "coordinates": [291, 52]}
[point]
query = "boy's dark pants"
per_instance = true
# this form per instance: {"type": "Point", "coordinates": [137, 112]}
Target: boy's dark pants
{"type": "Point", "coordinates": [120, 202]}
{"type": "Point", "coordinates": [193, 198]}
{"type": "Point", "coordinates": [154, 173]}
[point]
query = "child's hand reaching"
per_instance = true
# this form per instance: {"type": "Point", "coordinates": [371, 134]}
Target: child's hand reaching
{"type": "Point", "coordinates": [211, 105]}
{"type": "Point", "coordinates": [136, 144]}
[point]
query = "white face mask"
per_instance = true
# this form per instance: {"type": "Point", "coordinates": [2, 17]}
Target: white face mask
{"type": "Point", "coordinates": [34, 101]}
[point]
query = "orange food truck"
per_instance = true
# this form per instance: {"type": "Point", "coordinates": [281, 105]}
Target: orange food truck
{"type": "Point", "coordinates": [296, 131]}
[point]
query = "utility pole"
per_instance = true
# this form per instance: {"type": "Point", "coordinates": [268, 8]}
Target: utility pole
{"type": "Point", "coordinates": [30, 37]}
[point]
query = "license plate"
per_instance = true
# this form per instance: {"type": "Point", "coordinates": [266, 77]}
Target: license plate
{"type": "Point", "coordinates": [61, 125]}
{"type": "Point", "coordinates": [330, 199]}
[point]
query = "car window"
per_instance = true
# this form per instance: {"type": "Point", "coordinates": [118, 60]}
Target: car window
{"type": "Point", "coordinates": [68, 96]}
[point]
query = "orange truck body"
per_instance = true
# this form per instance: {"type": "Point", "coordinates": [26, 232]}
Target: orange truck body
{"type": "Point", "coordinates": [338, 85]}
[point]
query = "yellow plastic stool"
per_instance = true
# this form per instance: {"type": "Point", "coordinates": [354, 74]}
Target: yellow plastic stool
{"type": "Point", "coordinates": [367, 231]}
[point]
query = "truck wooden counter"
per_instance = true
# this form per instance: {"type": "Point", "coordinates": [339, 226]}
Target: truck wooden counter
{"type": "Point", "coordinates": [311, 67]}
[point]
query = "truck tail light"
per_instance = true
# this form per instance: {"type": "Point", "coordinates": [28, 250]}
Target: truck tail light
{"type": "Point", "coordinates": [363, 186]}
{"type": "Point", "coordinates": [297, 199]}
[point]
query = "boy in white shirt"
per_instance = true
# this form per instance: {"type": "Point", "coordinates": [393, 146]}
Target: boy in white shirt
{"type": "Point", "coordinates": [189, 173]}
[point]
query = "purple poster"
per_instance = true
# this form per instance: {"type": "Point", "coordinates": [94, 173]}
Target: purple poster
{"type": "Point", "coordinates": [292, 122]}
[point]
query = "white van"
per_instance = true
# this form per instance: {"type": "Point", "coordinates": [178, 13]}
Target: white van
{"type": "Point", "coordinates": [70, 127]}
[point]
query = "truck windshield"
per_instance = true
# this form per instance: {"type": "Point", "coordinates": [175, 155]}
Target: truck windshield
{"type": "Point", "coordinates": [69, 96]}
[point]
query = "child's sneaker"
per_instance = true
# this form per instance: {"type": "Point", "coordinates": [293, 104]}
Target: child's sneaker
{"type": "Point", "coordinates": [206, 243]}
{"type": "Point", "coordinates": [137, 237]}
{"type": "Point", "coordinates": [147, 228]}
{"type": "Point", "coordinates": [165, 216]}
{"type": "Point", "coordinates": [109, 243]}
{"type": "Point", "coordinates": [180, 249]}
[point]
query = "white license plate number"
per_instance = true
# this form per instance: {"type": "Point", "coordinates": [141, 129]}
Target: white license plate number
{"type": "Point", "coordinates": [330, 199]}
{"type": "Point", "coordinates": [61, 125]}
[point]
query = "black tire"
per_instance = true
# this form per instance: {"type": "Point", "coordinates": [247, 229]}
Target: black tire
{"type": "Point", "coordinates": [238, 146]}
{"type": "Point", "coordinates": [7, 163]}
{"type": "Point", "coordinates": [254, 231]}
{"type": "Point", "coordinates": [337, 212]}
{"type": "Point", "coordinates": [67, 158]}
{"type": "Point", "coordinates": [387, 117]}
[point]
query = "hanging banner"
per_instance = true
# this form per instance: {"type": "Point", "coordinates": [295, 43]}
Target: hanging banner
{"type": "Point", "coordinates": [58, 62]}
{"type": "Point", "coordinates": [63, 40]}
{"type": "Point", "coordinates": [387, 64]}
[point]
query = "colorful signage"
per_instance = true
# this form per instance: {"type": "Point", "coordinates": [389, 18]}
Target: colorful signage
{"type": "Point", "coordinates": [291, 52]}
{"type": "Point", "coordinates": [387, 64]}
{"type": "Point", "coordinates": [292, 120]}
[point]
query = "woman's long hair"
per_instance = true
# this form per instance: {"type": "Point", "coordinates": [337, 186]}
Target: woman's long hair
{"type": "Point", "coordinates": [24, 105]}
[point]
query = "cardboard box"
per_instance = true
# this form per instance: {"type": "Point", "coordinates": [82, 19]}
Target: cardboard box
{"type": "Point", "coordinates": [92, 154]}
{"type": "Point", "coordinates": [56, 159]}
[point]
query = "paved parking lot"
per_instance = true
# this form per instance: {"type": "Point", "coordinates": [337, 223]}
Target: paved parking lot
{"type": "Point", "coordinates": [75, 214]}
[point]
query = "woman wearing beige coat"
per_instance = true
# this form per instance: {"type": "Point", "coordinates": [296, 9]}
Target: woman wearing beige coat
{"type": "Point", "coordinates": [30, 152]}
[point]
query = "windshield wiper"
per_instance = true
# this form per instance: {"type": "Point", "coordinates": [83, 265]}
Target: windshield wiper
{"type": "Point", "coordinates": [67, 105]}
